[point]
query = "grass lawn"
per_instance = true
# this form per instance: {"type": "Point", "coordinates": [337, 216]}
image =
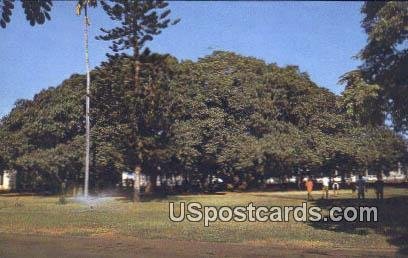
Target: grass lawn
{"type": "Point", "coordinates": [110, 217]}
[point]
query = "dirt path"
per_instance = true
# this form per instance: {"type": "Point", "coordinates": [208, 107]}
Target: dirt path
{"type": "Point", "coordinates": [13, 245]}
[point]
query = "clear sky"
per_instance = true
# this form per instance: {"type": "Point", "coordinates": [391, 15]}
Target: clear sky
{"type": "Point", "coordinates": [320, 37]}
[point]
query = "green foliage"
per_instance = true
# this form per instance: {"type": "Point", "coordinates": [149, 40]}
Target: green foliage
{"type": "Point", "coordinates": [225, 115]}
{"type": "Point", "coordinates": [139, 23]}
{"type": "Point", "coordinates": [36, 11]}
{"type": "Point", "coordinates": [254, 120]}
{"type": "Point", "coordinates": [83, 5]}
{"type": "Point", "coordinates": [361, 101]}
{"type": "Point", "coordinates": [385, 57]}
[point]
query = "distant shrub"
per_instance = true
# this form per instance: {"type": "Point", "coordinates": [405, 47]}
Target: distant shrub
{"type": "Point", "coordinates": [62, 200]}
{"type": "Point", "coordinates": [243, 186]}
{"type": "Point", "coordinates": [230, 187]}
{"type": "Point", "coordinates": [18, 204]}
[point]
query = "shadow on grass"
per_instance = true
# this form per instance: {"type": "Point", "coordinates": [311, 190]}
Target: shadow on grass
{"type": "Point", "coordinates": [17, 194]}
{"type": "Point", "coordinates": [284, 197]}
{"type": "Point", "coordinates": [392, 219]}
{"type": "Point", "coordinates": [149, 198]}
{"type": "Point", "coordinates": [159, 197]}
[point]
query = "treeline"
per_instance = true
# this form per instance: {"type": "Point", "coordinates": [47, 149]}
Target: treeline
{"type": "Point", "coordinates": [226, 115]}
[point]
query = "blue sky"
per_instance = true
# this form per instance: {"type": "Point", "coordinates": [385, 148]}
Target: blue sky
{"type": "Point", "coordinates": [319, 37]}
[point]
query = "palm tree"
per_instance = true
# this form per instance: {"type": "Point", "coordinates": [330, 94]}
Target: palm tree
{"type": "Point", "coordinates": [83, 5]}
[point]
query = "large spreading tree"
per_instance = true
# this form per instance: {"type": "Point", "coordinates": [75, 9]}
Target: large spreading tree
{"type": "Point", "coordinates": [225, 115]}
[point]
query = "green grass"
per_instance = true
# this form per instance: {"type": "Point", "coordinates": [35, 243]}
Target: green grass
{"type": "Point", "coordinates": [149, 220]}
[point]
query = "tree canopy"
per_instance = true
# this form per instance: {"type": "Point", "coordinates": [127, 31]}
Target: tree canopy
{"type": "Point", "coordinates": [385, 57]}
{"type": "Point", "coordinates": [226, 115]}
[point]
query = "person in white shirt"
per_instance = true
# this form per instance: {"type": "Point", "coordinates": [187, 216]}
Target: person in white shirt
{"type": "Point", "coordinates": [335, 187]}
{"type": "Point", "coordinates": [325, 182]}
{"type": "Point", "coordinates": [361, 187]}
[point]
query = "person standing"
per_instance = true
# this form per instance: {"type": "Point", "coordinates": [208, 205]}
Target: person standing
{"type": "Point", "coordinates": [353, 187]}
{"type": "Point", "coordinates": [325, 182]}
{"type": "Point", "coordinates": [335, 187]}
{"type": "Point", "coordinates": [379, 187]}
{"type": "Point", "coordinates": [309, 188]}
{"type": "Point", "coordinates": [361, 187]}
{"type": "Point", "coordinates": [300, 183]}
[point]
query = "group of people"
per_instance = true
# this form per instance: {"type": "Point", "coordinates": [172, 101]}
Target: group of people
{"type": "Point", "coordinates": [325, 189]}
{"type": "Point", "coordinates": [378, 187]}
{"type": "Point", "coordinates": [360, 186]}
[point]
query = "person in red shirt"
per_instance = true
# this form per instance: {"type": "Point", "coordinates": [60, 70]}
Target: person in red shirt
{"type": "Point", "coordinates": [309, 188]}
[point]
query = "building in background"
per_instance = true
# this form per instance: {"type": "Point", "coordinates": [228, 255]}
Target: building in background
{"type": "Point", "coordinates": [8, 180]}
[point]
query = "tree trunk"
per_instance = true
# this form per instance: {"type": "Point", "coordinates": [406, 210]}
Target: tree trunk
{"type": "Point", "coordinates": [152, 184]}
{"type": "Point", "coordinates": [75, 190]}
{"type": "Point", "coordinates": [366, 170]}
{"type": "Point", "coordinates": [136, 84]}
{"type": "Point", "coordinates": [136, 65]}
{"type": "Point", "coordinates": [137, 73]}
{"type": "Point", "coordinates": [136, 184]}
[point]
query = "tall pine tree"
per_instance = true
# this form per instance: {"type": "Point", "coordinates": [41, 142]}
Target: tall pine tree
{"type": "Point", "coordinates": [139, 22]}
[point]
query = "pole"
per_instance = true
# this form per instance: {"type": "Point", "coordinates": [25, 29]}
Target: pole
{"type": "Point", "coordinates": [88, 82]}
